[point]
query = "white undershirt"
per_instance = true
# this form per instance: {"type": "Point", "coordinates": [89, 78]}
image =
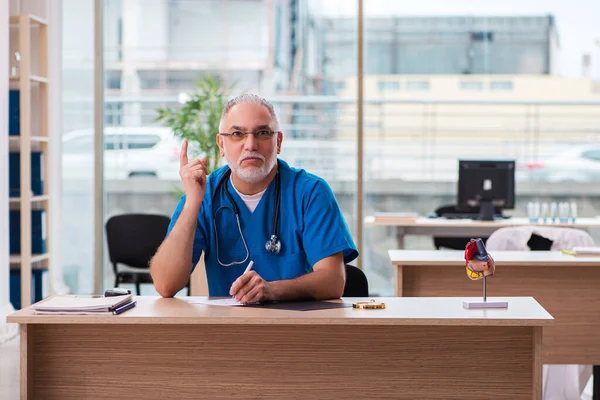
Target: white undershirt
{"type": "Point", "coordinates": [251, 200]}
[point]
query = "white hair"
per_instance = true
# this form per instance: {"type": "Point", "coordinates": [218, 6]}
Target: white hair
{"type": "Point", "coordinates": [248, 98]}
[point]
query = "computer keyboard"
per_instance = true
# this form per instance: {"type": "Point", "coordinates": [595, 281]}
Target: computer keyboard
{"type": "Point", "coordinates": [474, 216]}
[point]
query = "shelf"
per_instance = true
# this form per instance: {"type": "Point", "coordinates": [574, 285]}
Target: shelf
{"type": "Point", "coordinates": [33, 78]}
{"type": "Point", "coordinates": [14, 20]}
{"type": "Point", "coordinates": [34, 199]}
{"type": "Point", "coordinates": [38, 20]}
{"type": "Point", "coordinates": [37, 78]}
{"type": "Point", "coordinates": [39, 139]}
{"type": "Point", "coordinates": [35, 258]}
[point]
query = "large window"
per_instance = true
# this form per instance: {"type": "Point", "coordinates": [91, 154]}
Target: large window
{"type": "Point", "coordinates": [156, 50]}
{"type": "Point", "coordinates": [503, 80]}
{"type": "Point", "coordinates": [442, 81]}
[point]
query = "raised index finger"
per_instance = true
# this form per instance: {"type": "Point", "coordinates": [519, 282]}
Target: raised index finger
{"type": "Point", "coordinates": [183, 158]}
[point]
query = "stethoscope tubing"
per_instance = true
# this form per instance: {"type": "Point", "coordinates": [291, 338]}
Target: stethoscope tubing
{"type": "Point", "coordinates": [273, 239]}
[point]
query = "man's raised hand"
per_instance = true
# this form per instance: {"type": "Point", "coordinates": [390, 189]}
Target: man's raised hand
{"type": "Point", "coordinates": [193, 176]}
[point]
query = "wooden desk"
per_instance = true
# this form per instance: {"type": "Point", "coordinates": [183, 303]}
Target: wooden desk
{"type": "Point", "coordinates": [463, 227]}
{"type": "Point", "coordinates": [568, 287]}
{"type": "Point", "coordinates": [167, 348]}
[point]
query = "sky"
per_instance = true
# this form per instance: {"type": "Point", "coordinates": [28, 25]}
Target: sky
{"type": "Point", "coordinates": [578, 21]}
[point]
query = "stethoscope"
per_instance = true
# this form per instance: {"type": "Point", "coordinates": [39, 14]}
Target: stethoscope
{"type": "Point", "coordinates": [273, 244]}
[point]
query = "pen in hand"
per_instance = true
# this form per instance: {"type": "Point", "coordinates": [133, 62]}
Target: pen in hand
{"type": "Point", "coordinates": [248, 268]}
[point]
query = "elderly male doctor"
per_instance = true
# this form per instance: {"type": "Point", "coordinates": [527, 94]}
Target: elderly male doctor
{"type": "Point", "coordinates": [256, 209]}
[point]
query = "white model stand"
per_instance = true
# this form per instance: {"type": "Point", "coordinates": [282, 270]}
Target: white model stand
{"type": "Point", "coordinates": [484, 304]}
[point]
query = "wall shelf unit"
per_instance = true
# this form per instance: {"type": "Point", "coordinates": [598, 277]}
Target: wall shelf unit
{"type": "Point", "coordinates": [29, 76]}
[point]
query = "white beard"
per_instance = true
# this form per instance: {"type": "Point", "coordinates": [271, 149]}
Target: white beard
{"type": "Point", "coordinates": [251, 174]}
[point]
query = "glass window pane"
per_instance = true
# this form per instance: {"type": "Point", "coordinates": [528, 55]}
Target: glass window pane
{"type": "Point", "coordinates": [77, 201]}
{"type": "Point", "coordinates": [501, 85]}
{"type": "Point", "coordinates": [477, 86]}
{"type": "Point", "coordinates": [299, 55]}
{"type": "Point", "coordinates": [132, 142]}
{"type": "Point", "coordinates": [513, 82]}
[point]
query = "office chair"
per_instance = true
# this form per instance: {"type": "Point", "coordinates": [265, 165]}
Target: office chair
{"type": "Point", "coordinates": [532, 237]}
{"type": "Point", "coordinates": [356, 283]}
{"type": "Point", "coordinates": [132, 241]}
{"type": "Point", "coordinates": [454, 243]}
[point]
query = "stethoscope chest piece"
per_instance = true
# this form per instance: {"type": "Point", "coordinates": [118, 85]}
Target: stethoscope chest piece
{"type": "Point", "coordinates": [273, 245]}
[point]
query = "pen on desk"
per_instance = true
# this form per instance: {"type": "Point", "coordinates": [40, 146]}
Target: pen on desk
{"type": "Point", "coordinates": [569, 253]}
{"type": "Point", "coordinates": [124, 307]}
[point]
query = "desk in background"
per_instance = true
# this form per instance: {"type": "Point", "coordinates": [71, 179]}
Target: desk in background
{"type": "Point", "coordinates": [568, 287]}
{"type": "Point", "coordinates": [166, 348]}
{"type": "Point", "coordinates": [463, 227]}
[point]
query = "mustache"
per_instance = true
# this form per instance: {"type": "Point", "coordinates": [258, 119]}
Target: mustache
{"type": "Point", "coordinates": [251, 154]}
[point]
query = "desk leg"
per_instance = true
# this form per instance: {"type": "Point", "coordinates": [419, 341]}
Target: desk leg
{"type": "Point", "coordinates": [537, 363]}
{"type": "Point", "coordinates": [26, 353]}
{"type": "Point", "coordinates": [596, 387]}
{"type": "Point", "coordinates": [398, 292]}
{"type": "Point", "coordinates": [400, 237]}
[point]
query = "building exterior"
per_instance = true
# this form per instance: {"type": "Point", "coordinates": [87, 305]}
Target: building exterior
{"type": "Point", "coordinates": [418, 126]}
{"type": "Point", "coordinates": [460, 45]}
{"type": "Point", "coordinates": [430, 82]}
{"type": "Point", "coordinates": [155, 49]}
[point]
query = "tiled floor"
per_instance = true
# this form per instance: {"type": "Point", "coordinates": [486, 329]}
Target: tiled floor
{"type": "Point", "coordinates": [9, 370]}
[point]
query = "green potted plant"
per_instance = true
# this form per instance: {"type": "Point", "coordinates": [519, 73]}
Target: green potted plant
{"type": "Point", "coordinates": [197, 120]}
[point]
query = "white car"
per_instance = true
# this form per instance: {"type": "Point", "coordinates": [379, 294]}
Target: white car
{"type": "Point", "coordinates": [578, 164]}
{"type": "Point", "coordinates": [129, 152]}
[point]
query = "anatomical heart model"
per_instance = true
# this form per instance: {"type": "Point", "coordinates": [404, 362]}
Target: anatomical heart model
{"type": "Point", "coordinates": [480, 265]}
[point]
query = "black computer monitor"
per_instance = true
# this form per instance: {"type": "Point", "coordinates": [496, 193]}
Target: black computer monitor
{"type": "Point", "coordinates": [487, 184]}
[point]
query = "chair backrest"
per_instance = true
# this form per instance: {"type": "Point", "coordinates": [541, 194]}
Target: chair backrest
{"type": "Point", "coordinates": [134, 238]}
{"type": "Point", "coordinates": [517, 238]}
{"type": "Point", "coordinates": [356, 282]}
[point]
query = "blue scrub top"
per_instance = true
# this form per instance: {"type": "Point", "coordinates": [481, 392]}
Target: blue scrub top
{"type": "Point", "coordinates": [311, 227]}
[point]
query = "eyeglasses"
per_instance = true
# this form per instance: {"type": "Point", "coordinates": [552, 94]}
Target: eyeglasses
{"type": "Point", "coordinates": [238, 136]}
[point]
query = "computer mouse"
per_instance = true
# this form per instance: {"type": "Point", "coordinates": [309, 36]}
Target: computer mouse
{"type": "Point", "coordinates": [432, 215]}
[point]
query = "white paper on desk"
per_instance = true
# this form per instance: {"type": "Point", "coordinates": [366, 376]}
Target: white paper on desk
{"type": "Point", "coordinates": [72, 303]}
{"type": "Point", "coordinates": [218, 302]}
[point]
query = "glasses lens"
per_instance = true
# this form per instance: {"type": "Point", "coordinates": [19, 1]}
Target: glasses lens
{"type": "Point", "coordinates": [264, 135]}
{"type": "Point", "coordinates": [260, 135]}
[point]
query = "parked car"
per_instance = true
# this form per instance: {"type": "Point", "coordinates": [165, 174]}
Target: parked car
{"type": "Point", "coordinates": [129, 152]}
{"type": "Point", "coordinates": [578, 164]}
